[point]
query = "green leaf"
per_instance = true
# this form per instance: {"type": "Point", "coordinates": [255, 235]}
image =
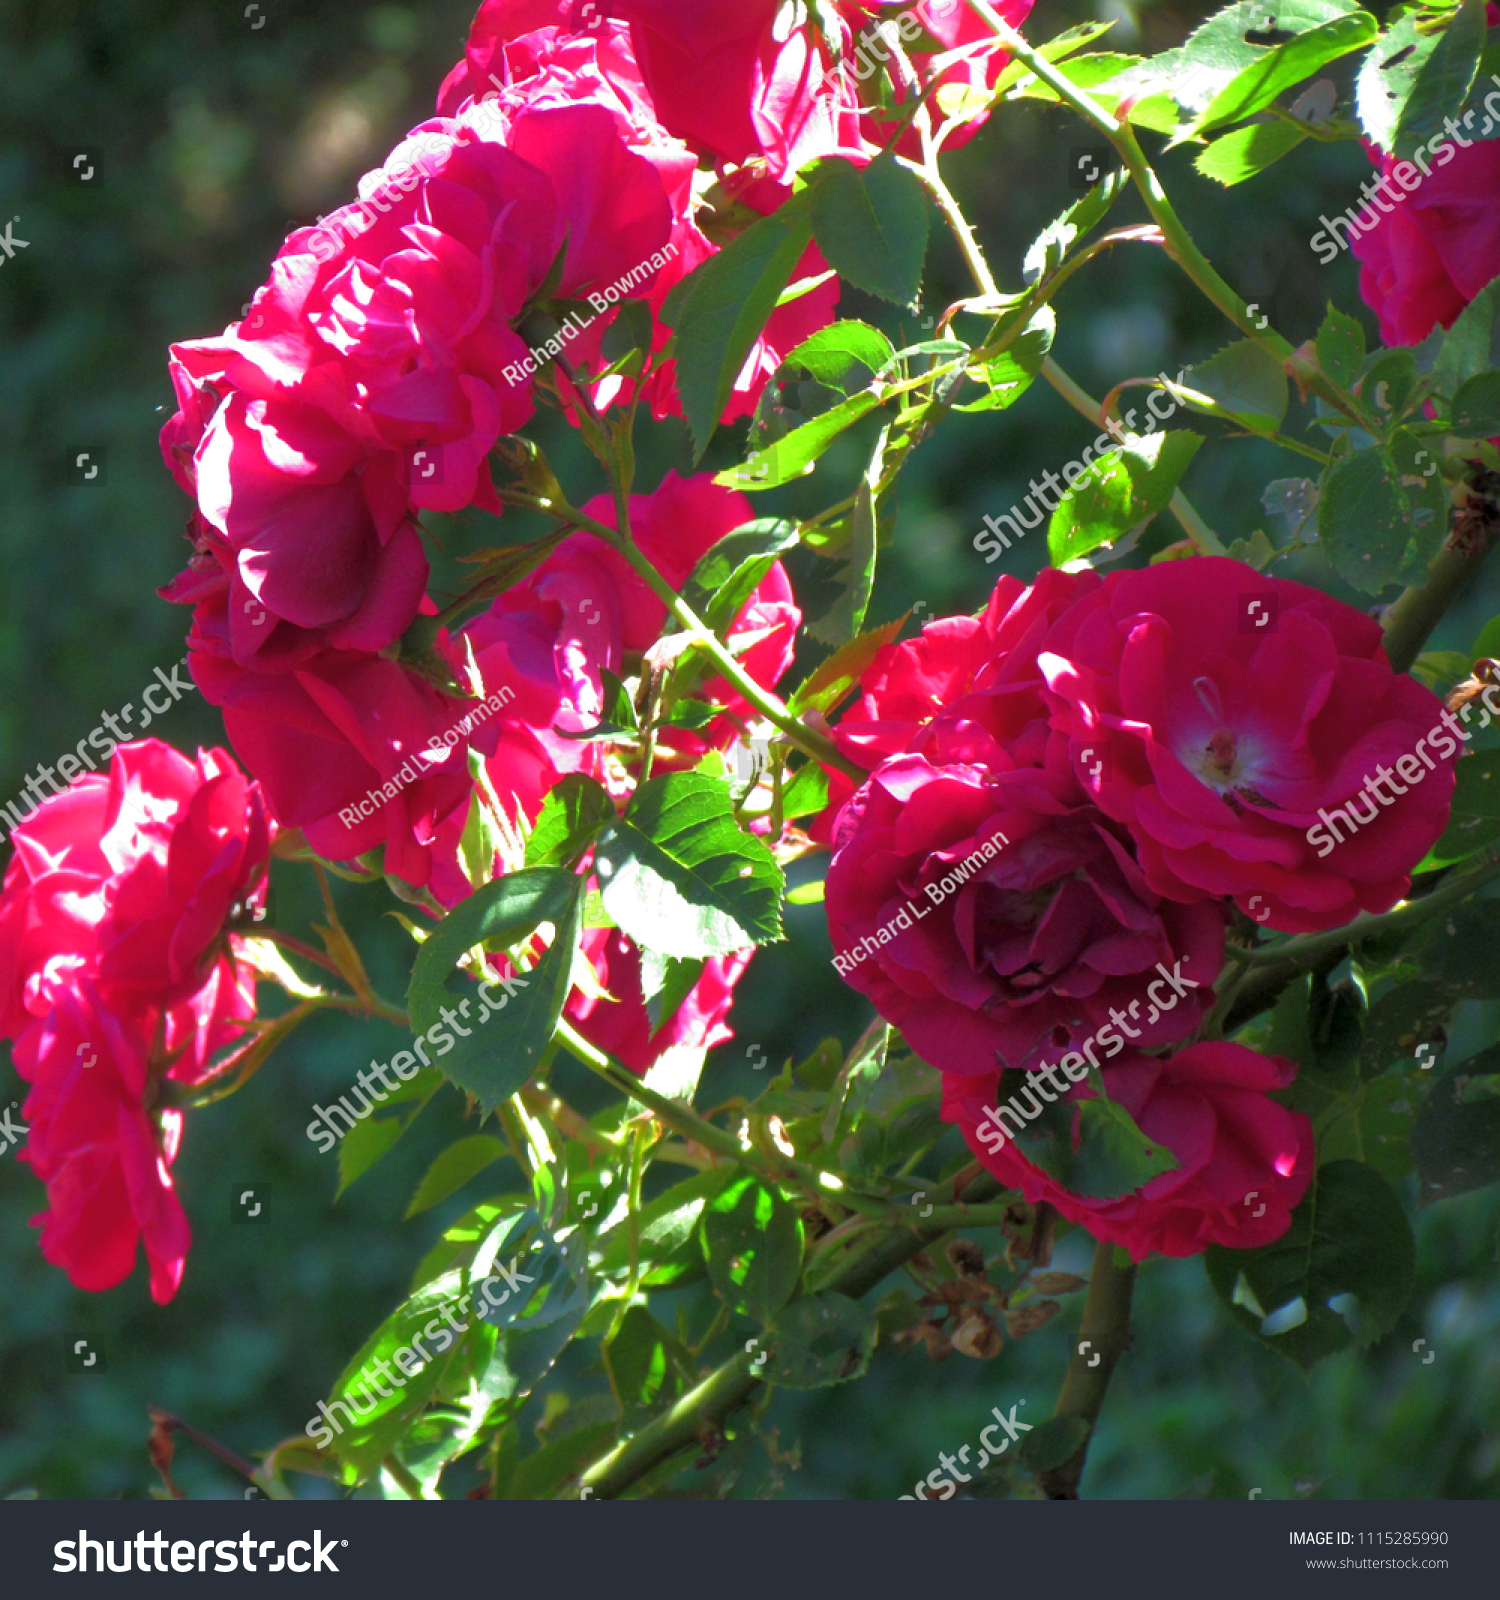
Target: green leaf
{"type": "Point", "coordinates": [680, 877]}
{"type": "Point", "coordinates": [1225, 46]}
{"type": "Point", "coordinates": [719, 310]}
{"type": "Point", "coordinates": [573, 812]}
{"type": "Point", "coordinates": [752, 1246]}
{"type": "Point", "coordinates": [1349, 1242]}
{"type": "Point", "coordinates": [373, 1422]}
{"type": "Point", "coordinates": [377, 1135]}
{"type": "Point", "coordinates": [1387, 77]}
{"type": "Point", "coordinates": [1341, 348]}
{"type": "Point", "coordinates": [1380, 520]}
{"type": "Point", "coordinates": [665, 984]}
{"type": "Point", "coordinates": [667, 1231]}
{"type": "Point", "coordinates": [497, 1054]}
{"type": "Point", "coordinates": [1118, 491]}
{"type": "Point", "coordinates": [729, 573]}
{"type": "Point", "coordinates": [1472, 345]}
{"type": "Point", "coordinates": [818, 1340]}
{"type": "Point", "coordinates": [1052, 1442]}
{"type": "Point", "coordinates": [1052, 245]}
{"type": "Point", "coordinates": [1409, 1015]}
{"type": "Point", "coordinates": [1476, 407]}
{"type": "Point", "coordinates": [1240, 155]}
{"type": "Point", "coordinates": [453, 1169]}
{"type": "Point", "coordinates": [806, 794]}
{"type": "Point", "coordinates": [1247, 382]}
{"type": "Point", "coordinates": [845, 357]}
{"type": "Point", "coordinates": [1455, 951]}
{"type": "Point", "coordinates": [1108, 1156]}
{"type": "Point", "coordinates": [647, 1366]}
{"type": "Point", "coordinates": [829, 683]}
{"type": "Point", "coordinates": [1456, 1140]}
{"type": "Point", "coordinates": [871, 224]}
{"type": "Point", "coordinates": [1279, 69]}
{"type": "Point", "coordinates": [794, 455]}
{"type": "Point", "coordinates": [1442, 81]}
{"type": "Point", "coordinates": [1010, 374]}
{"type": "Point", "coordinates": [1474, 822]}
{"type": "Point", "coordinates": [1055, 49]}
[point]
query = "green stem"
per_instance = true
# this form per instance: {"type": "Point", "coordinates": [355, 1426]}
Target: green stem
{"type": "Point", "coordinates": [731, 1384]}
{"type": "Point", "coordinates": [772, 709]}
{"type": "Point", "coordinates": [1105, 1331]}
{"type": "Point", "coordinates": [404, 1480]}
{"type": "Point", "coordinates": [1410, 620]}
{"type": "Point", "coordinates": [1177, 240]}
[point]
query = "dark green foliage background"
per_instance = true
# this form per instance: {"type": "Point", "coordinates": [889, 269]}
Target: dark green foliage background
{"type": "Point", "coordinates": [210, 138]}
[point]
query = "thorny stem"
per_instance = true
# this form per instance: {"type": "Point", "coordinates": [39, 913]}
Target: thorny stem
{"type": "Point", "coordinates": [1178, 241]}
{"type": "Point", "coordinates": [1104, 1336]}
{"type": "Point", "coordinates": [730, 1385]}
{"type": "Point", "coordinates": [1409, 620]}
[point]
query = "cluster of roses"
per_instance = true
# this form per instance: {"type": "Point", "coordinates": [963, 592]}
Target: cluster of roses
{"type": "Point", "coordinates": [582, 151]}
{"type": "Point", "coordinates": [1066, 794]}
{"type": "Point", "coordinates": [120, 979]}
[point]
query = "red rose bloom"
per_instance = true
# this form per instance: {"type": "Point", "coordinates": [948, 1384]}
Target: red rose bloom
{"type": "Point", "coordinates": [102, 1153]}
{"type": "Point", "coordinates": [131, 880]}
{"type": "Point", "coordinates": [1210, 1106]}
{"type": "Point", "coordinates": [992, 914]}
{"type": "Point", "coordinates": [1425, 260]}
{"type": "Point", "coordinates": [1228, 739]}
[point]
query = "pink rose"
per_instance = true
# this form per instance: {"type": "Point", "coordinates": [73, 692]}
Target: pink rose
{"type": "Point", "coordinates": [992, 914]}
{"type": "Point", "coordinates": [745, 82]}
{"type": "Point", "coordinates": [360, 751]}
{"type": "Point", "coordinates": [102, 1154]}
{"type": "Point", "coordinates": [1426, 252]}
{"type": "Point", "coordinates": [621, 1025]}
{"type": "Point", "coordinates": [912, 681]}
{"type": "Point", "coordinates": [1209, 1105]}
{"type": "Point", "coordinates": [379, 365]}
{"type": "Point", "coordinates": [133, 881]}
{"type": "Point", "coordinates": [1232, 741]}
{"type": "Point", "coordinates": [1422, 263]}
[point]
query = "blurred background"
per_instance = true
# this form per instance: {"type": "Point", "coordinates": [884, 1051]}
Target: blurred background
{"type": "Point", "coordinates": [152, 156]}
